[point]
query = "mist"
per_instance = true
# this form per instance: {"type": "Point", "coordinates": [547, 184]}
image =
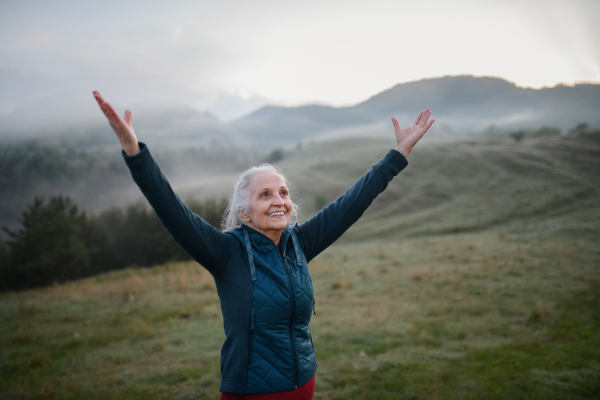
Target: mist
{"type": "Point", "coordinates": [231, 58]}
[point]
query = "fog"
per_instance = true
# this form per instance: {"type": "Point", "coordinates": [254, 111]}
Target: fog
{"type": "Point", "coordinates": [232, 57]}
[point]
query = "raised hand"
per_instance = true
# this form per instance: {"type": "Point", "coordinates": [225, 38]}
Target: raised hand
{"type": "Point", "coordinates": [407, 138]}
{"type": "Point", "coordinates": [122, 128]}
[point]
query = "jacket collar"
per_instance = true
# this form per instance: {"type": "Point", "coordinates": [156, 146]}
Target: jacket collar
{"type": "Point", "coordinates": [262, 242]}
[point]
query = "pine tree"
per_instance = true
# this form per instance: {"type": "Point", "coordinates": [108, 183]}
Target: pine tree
{"type": "Point", "coordinates": [49, 247]}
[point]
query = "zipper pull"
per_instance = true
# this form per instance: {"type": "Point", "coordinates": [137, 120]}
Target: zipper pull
{"type": "Point", "coordinates": [314, 311]}
{"type": "Point", "coordinates": [252, 321]}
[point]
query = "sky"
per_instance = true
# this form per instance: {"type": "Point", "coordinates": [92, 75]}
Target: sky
{"type": "Point", "coordinates": [231, 57]}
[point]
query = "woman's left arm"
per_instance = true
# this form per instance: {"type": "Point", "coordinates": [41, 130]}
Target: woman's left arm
{"type": "Point", "coordinates": [329, 224]}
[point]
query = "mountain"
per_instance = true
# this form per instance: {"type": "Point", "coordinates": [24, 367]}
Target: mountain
{"type": "Point", "coordinates": [461, 104]}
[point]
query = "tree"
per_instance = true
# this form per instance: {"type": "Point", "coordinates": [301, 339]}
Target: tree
{"type": "Point", "coordinates": [547, 131]}
{"type": "Point", "coordinates": [517, 135]}
{"type": "Point", "coordinates": [275, 156]}
{"type": "Point", "coordinates": [581, 127]}
{"type": "Point", "coordinates": [137, 237]}
{"type": "Point", "coordinates": [50, 247]}
{"type": "Point", "coordinates": [320, 201]}
{"type": "Point", "coordinates": [57, 242]}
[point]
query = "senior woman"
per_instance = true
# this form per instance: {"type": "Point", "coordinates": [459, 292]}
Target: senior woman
{"type": "Point", "coordinates": [259, 261]}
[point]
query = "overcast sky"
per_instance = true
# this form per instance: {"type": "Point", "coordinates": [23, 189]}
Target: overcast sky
{"type": "Point", "coordinates": [230, 57]}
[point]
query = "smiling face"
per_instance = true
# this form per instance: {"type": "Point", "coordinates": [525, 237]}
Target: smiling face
{"type": "Point", "coordinates": [269, 205]}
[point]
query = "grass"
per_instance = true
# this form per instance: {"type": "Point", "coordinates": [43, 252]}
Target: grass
{"type": "Point", "coordinates": [114, 336]}
{"type": "Point", "coordinates": [479, 279]}
{"type": "Point", "coordinates": [458, 318]}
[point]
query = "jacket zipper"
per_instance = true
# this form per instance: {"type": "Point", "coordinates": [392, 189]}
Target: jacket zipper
{"type": "Point", "coordinates": [291, 327]}
{"type": "Point", "coordinates": [251, 338]}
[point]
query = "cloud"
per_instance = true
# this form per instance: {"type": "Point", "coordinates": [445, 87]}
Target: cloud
{"type": "Point", "coordinates": [207, 54]}
{"type": "Point", "coordinates": [38, 38]}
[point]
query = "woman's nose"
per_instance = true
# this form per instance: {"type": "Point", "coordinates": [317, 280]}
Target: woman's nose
{"type": "Point", "coordinates": [277, 199]}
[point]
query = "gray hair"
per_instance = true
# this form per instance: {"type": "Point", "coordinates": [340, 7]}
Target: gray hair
{"type": "Point", "coordinates": [240, 199]}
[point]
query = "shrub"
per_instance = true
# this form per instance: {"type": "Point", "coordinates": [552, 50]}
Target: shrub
{"type": "Point", "coordinates": [320, 201]}
{"type": "Point", "coordinates": [50, 247]}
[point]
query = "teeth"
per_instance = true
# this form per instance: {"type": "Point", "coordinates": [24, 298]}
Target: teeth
{"type": "Point", "coordinates": [277, 214]}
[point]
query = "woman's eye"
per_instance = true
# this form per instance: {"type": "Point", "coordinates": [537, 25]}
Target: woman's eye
{"type": "Point", "coordinates": [265, 194]}
{"type": "Point", "coordinates": [284, 194]}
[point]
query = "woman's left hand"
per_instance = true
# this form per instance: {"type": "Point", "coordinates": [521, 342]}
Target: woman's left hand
{"type": "Point", "coordinates": [407, 138]}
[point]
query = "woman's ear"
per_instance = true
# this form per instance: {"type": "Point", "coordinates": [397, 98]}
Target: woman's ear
{"type": "Point", "coordinates": [244, 217]}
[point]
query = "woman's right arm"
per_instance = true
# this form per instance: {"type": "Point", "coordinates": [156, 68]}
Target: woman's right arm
{"type": "Point", "coordinates": [199, 239]}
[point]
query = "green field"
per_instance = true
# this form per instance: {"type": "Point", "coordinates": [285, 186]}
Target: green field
{"type": "Point", "coordinates": [475, 275]}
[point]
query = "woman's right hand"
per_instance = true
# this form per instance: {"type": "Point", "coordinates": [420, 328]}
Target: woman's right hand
{"type": "Point", "coordinates": [122, 128]}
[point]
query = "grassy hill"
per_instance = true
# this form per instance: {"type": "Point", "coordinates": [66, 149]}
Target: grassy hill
{"type": "Point", "coordinates": [476, 274]}
{"type": "Point", "coordinates": [461, 186]}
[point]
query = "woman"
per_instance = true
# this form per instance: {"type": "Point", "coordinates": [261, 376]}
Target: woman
{"type": "Point", "coordinates": [259, 262]}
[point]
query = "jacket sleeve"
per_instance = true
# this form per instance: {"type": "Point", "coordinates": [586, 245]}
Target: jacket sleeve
{"type": "Point", "coordinates": [329, 224]}
{"type": "Point", "coordinates": [204, 243]}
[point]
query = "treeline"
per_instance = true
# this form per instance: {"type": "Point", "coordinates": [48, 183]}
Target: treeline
{"type": "Point", "coordinates": [544, 131]}
{"type": "Point", "coordinates": [58, 242]}
{"type": "Point", "coordinates": [25, 163]}
{"type": "Point", "coordinates": [521, 134]}
{"type": "Point", "coordinates": [95, 173]}
{"type": "Point", "coordinates": [534, 133]}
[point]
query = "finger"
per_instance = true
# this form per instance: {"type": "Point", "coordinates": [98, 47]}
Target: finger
{"type": "Point", "coordinates": [396, 124]}
{"type": "Point", "coordinates": [427, 127]}
{"type": "Point", "coordinates": [103, 104]}
{"type": "Point", "coordinates": [128, 118]}
{"type": "Point", "coordinates": [98, 97]}
{"type": "Point", "coordinates": [425, 117]}
{"type": "Point", "coordinates": [418, 118]}
{"type": "Point", "coordinates": [423, 131]}
{"type": "Point", "coordinates": [113, 118]}
{"type": "Point", "coordinates": [107, 110]}
{"type": "Point", "coordinates": [110, 112]}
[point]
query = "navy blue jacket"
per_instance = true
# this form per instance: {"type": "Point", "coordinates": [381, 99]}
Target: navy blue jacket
{"type": "Point", "coordinates": [266, 294]}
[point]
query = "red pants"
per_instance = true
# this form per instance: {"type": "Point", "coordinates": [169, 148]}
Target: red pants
{"type": "Point", "coordinates": [304, 392]}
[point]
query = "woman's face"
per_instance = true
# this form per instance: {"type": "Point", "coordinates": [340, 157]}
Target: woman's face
{"type": "Point", "coordinates": [269, 206]}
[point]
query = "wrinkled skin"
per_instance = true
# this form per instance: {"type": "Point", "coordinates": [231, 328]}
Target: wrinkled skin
{"type": "Point", "coordinates": [269, 205]}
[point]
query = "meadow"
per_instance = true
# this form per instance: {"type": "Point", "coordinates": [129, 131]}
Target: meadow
{"type": "Point", "coordinates": [476, 275]}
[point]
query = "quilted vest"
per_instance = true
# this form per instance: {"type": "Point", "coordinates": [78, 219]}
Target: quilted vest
{"type": "Point", "coordinates": [281, 352]}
